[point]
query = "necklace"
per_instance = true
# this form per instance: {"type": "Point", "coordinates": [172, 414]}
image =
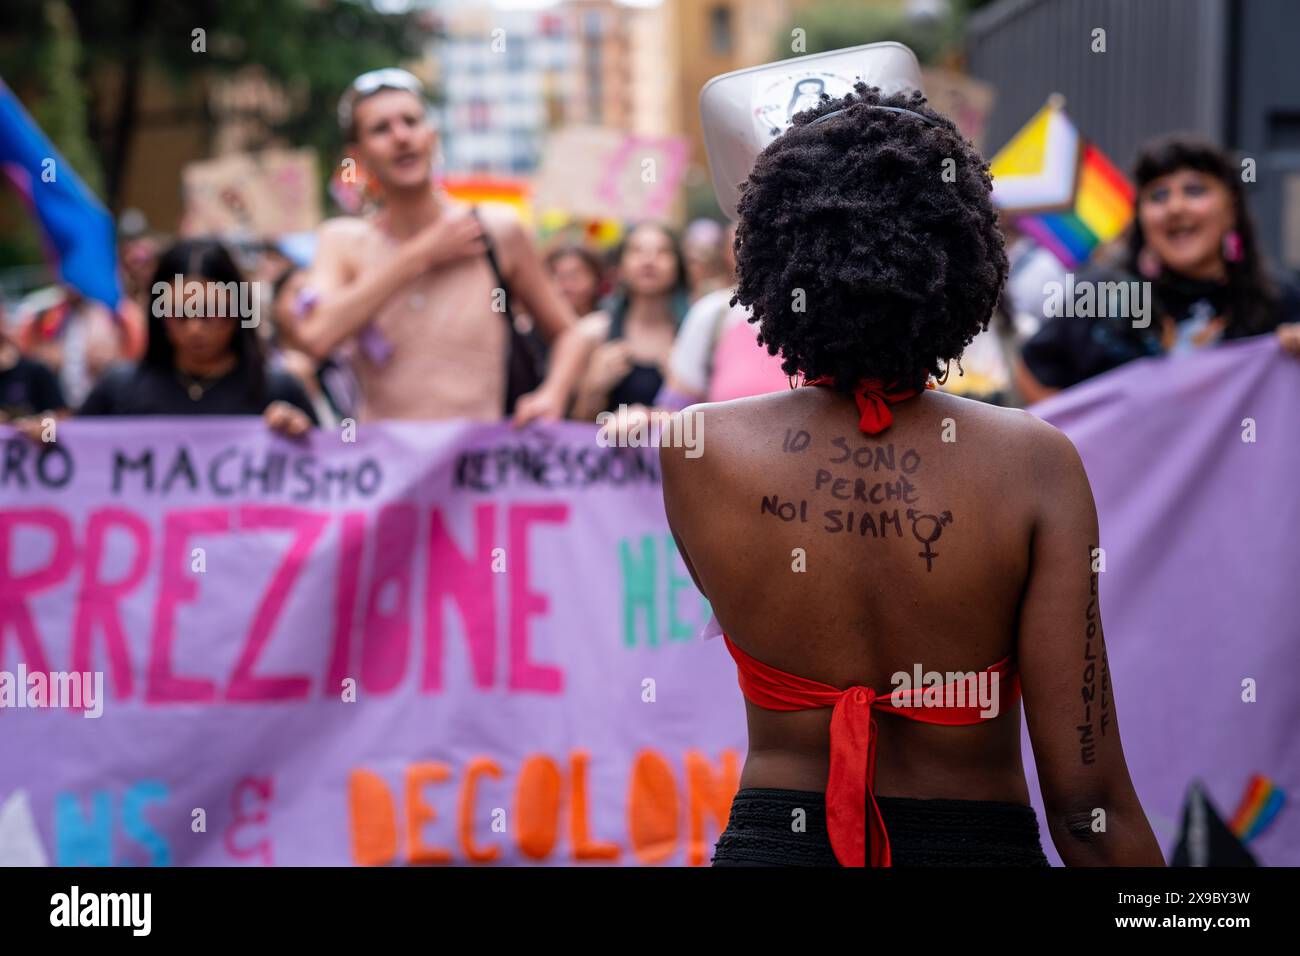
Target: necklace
{"type": "Point", "coordinates": [195, 387]}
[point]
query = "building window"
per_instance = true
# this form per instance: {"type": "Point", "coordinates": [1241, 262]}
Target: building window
{"type": "Point", "coordinates": [720, 38]}
{"type": "Point", "coordinates": [479, 115]}
{"type": "Point", "coordinates": [517, 55]}
{"type": "Point", "coordinates": [594, 86]}
{"type": "Point", "coordinates": [552, 25]}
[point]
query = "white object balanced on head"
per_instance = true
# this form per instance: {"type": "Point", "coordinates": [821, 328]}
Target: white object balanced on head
{"type": "Point", "coordinates": [744, 110]}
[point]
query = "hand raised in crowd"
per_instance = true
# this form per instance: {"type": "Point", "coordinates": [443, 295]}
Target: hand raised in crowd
{"type": "Point", "coordinates": [454, 235]}
{"type": "Point", "coordinates": [33, 426]}
{"type": "Point", "coordinates": [610, 362]}
{"type": "Point", "coordinates": [1288, 335]}
{"type": "Point", "coordinates": [286, 419]}
{"type": "Point", "coordinates": [543, 405]}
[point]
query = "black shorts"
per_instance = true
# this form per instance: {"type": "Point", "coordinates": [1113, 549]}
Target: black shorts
{"type": "Point", "coordinates": [762, 831]}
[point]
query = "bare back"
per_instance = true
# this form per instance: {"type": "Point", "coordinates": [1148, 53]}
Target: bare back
{"type": "Point", "coordinates": [846, 558]}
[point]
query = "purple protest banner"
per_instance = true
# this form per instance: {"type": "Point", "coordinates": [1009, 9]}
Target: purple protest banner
{"type": "Point", "coordinates": [440, 643]}
{"type": "Point", "coordinates": [457, 644]}
{"type": "Point", "coordinates": [1193, 463]}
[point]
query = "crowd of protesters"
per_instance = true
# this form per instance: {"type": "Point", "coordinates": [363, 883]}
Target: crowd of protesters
{"type": "Point", "coordinates": [430, 308]}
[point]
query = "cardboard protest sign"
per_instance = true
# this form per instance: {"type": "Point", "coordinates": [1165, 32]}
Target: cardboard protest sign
{"type": "Point", "coordinates": [249, 195]}
{"type": "Point", "coordinates": [597, 173]}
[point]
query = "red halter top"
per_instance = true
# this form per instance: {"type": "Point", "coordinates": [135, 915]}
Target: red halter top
{"type": "Point", "coordinates": [853, 820]}
{"type": "Point", "coordinates": [851, 808]}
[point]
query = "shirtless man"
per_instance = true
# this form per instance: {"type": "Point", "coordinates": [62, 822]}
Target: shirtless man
{"type": "Point", "coordinates": [410, 290]}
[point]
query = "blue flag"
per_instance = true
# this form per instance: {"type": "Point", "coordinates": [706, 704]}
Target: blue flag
{"type": "Point", "coordinates": [78, 228]}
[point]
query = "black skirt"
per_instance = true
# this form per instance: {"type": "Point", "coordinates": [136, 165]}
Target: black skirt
{"type": "Point", "coordinates": [766, 829]}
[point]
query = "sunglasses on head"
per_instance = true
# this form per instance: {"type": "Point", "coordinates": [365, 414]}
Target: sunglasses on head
{"type": "Point", "coordinates": [389, 78]}
{"type": "Point", "coordinates": [367, 84]}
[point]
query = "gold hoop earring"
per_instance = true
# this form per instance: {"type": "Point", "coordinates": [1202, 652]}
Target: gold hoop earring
{"type": "Point", "coordinates": [942, 379]}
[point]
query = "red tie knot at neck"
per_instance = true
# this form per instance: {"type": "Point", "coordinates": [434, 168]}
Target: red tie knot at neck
{"type": "Point", "coordinates": [874, 398]}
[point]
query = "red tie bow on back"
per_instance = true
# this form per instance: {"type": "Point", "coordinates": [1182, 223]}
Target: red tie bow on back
{"type": "Point", "coordinates": [874, 398]}
{"type": "Point", "coordinates": [854, 822]}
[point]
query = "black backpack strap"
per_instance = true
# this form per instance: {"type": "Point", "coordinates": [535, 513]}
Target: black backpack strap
{"type": "Point", "coordinates": [490, 250]}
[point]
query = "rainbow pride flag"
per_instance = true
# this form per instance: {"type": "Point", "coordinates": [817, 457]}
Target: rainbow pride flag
{"type": "Point", "coordinates": [515, 193]}
{"type": "Point", "coordinates": [1061, 190]}
{"type": "Point", "coordinates": [1259, 806]}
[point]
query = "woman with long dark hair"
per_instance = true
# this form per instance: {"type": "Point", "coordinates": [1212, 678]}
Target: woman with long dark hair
{"type": "Point", "coordinates": [897, 572]}
{"type": "Point", "coordinates": [204, 355]}
{"type": "Point", "coordinates": [1193, 239]}
{"type": "Point", "coordinates": [579, 275]}
{"type": "Point", "coordinates": [637, 326]}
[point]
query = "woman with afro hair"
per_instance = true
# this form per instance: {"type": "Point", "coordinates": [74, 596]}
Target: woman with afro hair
{"type": "Point", "coordinates": [896, 569]}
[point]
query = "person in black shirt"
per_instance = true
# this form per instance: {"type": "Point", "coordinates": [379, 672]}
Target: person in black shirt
{"type": "Point", "coordinates": [1193, 240]}
{"type": "Point", "coordinates": [203, 358]}
{"type": "Point", "coordinates": [634, 332]}
{"type": "Point", "coordinates": [27, 388]}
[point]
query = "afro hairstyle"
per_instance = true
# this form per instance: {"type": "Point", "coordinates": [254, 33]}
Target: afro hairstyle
{"type": "Point", "coordinates": [868, 245]}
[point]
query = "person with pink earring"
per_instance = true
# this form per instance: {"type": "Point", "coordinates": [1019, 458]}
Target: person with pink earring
{"type": "Point", "coordinates": [1193, 239]}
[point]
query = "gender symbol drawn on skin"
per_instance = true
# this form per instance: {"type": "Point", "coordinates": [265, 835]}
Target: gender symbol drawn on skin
{"type": "Point", "coordinates": [936, 524]}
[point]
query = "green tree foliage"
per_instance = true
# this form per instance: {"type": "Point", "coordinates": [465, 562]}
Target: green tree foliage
{"type": "Point", "coordinates": [48, 61]}
{"type": "Point", "coordinates": [312, 47]}
{"type": "Point", "coordinates": [62, 113]}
